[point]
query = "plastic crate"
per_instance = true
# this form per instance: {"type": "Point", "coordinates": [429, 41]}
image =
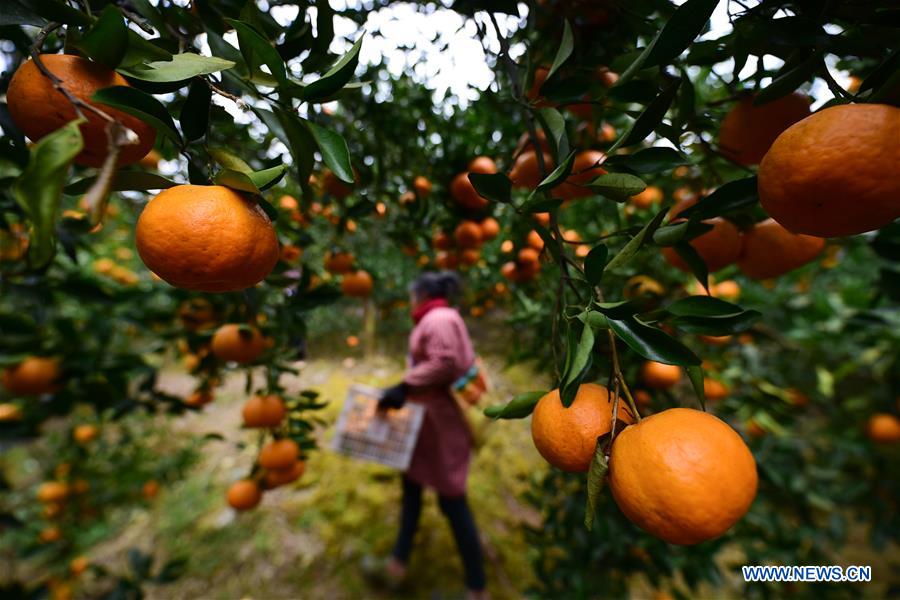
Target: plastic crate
{"type": "Point", "coordinates": [386, 438]}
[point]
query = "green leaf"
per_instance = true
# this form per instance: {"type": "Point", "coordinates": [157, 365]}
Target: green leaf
{"type": "Point", "coordinates": [635, 243]}
{"type": "Point", "coordinates": [257, 51]}
{"type": "Point", "coordinates": [695, 374]}
{"type": "Point", "coordinates": [724, 325]}
{"type": "Point", "coordinates": [652, 343]}
{"type": "Point", "coordinates": [38, 189]}
{"type": "Point", "coordinates": [648, 160]}
{"type": "Point", "coordinates": [141, 51]}
{"type": "Point", "coordinates": [596, 474]}
{"type": "Point", "coordinates": [107, 40]}
{"type": "Point", "coordinates": [14, 13]}
{"type": "Point", "coordinates": [685, 24]}
{"type": "Point", "coordinates": [289, 128]}
{"type": "Point", "coordinates": [703, 306]}
{"type": "Point", "coordinates": [194, 116]}
{"type": "Point", "coordinates": [554, 125]}
{"type": "Point", "coordinates": [577, 365]}
{"type": "Point", "coordinates": [229, 160]}
{"type": "Point", "coordinates": [518, 408]}
{"type": "Point", "coordinates": [495, 187]}
{"type": "Point", "coordinates": [624, 308]}
{"type": "Point", "coordinates": [252, 182]}
{"type": "Point", "coordinates": [559, 174]}
{"type": "Point", "coordinates": [564, 51]}
{"type": "Point", "coordinates": [182, 66]}
{"type": "Point", "coordinates": [788, 79]}
{"type": "Point", "coordinates": [334, 151]}
{"type": "Point", "coordinates": [734, 195]}
{"type": "Point", "coordinates": [335, 79]}
{"type": "Point", "coordinates": [594, 319]}
{"type": "Point", "coordinates": [669, 235]}
{"type": "Point", "coordinates": [141, 105]}
{"type": "Point", "coordinates": [57, 10]}
{"type": "Point", "coordinates": [650, 118]}
{"type": "Point", "coordinates": [618, 186]}
{"type": "Point", "coordinates": [594, 263]}
{"type": "Point", "coordinates": [123, 181]}
{"type": "Point", "coordinates": [693, 260]}
{"type": "Point", "coordinates": [539, 204]}
{"type": "Point", "coordinates": [268, 177]}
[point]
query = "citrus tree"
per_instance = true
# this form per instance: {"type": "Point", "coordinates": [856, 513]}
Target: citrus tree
{"type": "Point", "coordinates": [690, 227]}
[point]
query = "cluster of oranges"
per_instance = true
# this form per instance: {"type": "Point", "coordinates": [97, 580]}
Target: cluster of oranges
{"type": "Point", "coordinates": [279, 459]}
{"type": "Point", "coordinates": [463, 247]}
{"type": "Point", "coordinates": [355, 282]}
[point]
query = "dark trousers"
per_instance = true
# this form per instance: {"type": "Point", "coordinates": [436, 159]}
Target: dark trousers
{"type": "Point", "coordinates": [461, 522]}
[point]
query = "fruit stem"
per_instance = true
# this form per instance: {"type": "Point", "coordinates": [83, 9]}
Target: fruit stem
{"type": "Point", "coordinates": [631, 403]}
{"type": "Point", "coordinates": [619, 378]}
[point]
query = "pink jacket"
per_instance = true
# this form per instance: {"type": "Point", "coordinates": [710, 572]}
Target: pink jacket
{"type": "Point", "coordinates": [440, 352]}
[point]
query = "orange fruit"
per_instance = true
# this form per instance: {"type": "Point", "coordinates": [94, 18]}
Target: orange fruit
{"type": "Point", "coordinates": [422, 186]}
{"type": "Point", "coordinates": [50, 534]}
{"type": "Point", "coordinates": [273, 479]}
{"type": "Point", "coordinates": [238, 343]}
{"type": "Point", "coordinates": [714, 390]}
{"type": "Point", "coordinates": [567, 437]}
{"type": "Point", "coordinates": [642, 398]}
{"type": "Point", "coordinates": [754, 429]}
{"type": "Point", "coordinates": [833, 173]}
{"type": "Point", "coordinates": [883, 428]}
{"type": "Point", "coordinates": [510, 271]}
{"type": "Point", "coordinates": [490, 229]}
{"type": "Point", "coordinates": [78, 565]}
{"type": "Point", "coordinates": [464, 193]}
{"type": "Point", "coordinates": [715, 340]}
{"type": "Point", "coordinates": [441, 241]}
{"type": "Point", "coordinates": [52, 491]}
{"type": "Point", "coordinates": [728, 289]}
{"type": "Point", "coordinates": [338, 263]}
{"type": "Point", "coordinates": [335, 187]}
{"type": "Point", "coordinates": [151, 160]}
{"type": "Point", "coordinates": [279, 455]}
{"type": "Point", "coordinates": [534, 92]}
{"type": "Point", "coordinates": [797, 398]}
{"type": "Point", "coordinates": [196, 314]}
{"type": "Point", "coordinates": [682, 475]}
{"type": "Point", "coordinates": [244, 494]}
{"type": "Point", "coordinates": [528, 256]}
{"type": "Point", "coordinates": [199, 398]}
{"type": "Point", "coordinates": [467, 234]}
{"type": "Point", "coordinates": [660, 376]}
{"type": "Point", "coordinates": [642, 285]}
{"type": "Point", "coordinates": [33, 376]}
{"type": "Point", "coordinates": [206, 238]}
{"type": "Point", "coordinates": [542, 218]}
{"type": "Point", "coordinates": [585, 168]}
{"type": "Point", "coordinates": [38, 108]}
{"type": "Point", "coordinates": [84, 434]}
{"type": "Point", "coordinates": [352, 341]}
{"type": "Point", "coordinates": [748, 131]}
{"type": "Point", "coordinates": [446, 260]}
{"type": "Point", "coordinates": [718, 247]}
{"type": "Point", "coordinates": [263, 411]}
{"type": "Point", "coordinates": [507, 246]}
{"type": "Point", "coordinates": [13, 242]}
{"type": "Point", "coordinates": [9, 413]}
{"type": "Point", "coordinates": [524, 143]}
{"type": "Point", "coordinates": [769, 250]}
{"type": "Point", "coordinates": [650, 196]}
{"type": "Point", "coordinates": [150, 489]}
{"type": "Point", "coordinates": [526, 172]}
{"type": "Point", "coordinates": [534, 240]}
{"type": "Point", "coordinates": [482, 164]}
{"type": "Point", "coordinates": [357, 284]}
{"type": "Point", "coordinates": [288, 203]}
{"type": "Point", "coordinates": [470, 257]}
{"type": "Point", "coordinates": [291, 253]}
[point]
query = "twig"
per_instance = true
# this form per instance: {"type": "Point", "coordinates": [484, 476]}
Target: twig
{"type": "Point", "coordinates": [618, 371]}
{"type": "Point", "coordinates": [77, 103]}
{"type": "Point", "coordinates": [236, 99]}
{"type": "Point", "coordinates": [137, 19]}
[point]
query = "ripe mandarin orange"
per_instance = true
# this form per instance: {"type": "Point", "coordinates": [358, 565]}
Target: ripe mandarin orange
{"type": "Point", "coordinates": [834, 173]}
{"type": "Point", "coordinates": [206, 238]}
{"type": "Point", "coordinates": [273, 479]}
{"type": "Point", "coordinates": [718, 247]}
{"type": "Point", "coordinates": [526, 172]}
{"type": "Point", "coordinates": [39, 109]}
{"type": "Point", "coordinates": [467, 234]}
{"type": "Point", "coordinates": [338, 262]}
{"type": "Point", "coordinates": [682, 475]}
{"type": "Point", "coordinates": [10, 413]}
{"type": "Point", "coordinates": [482, 164]}
{"type": "Point", "coordinates": [422, 186]}
{"type": "Point", "coordinates": [239, 343]}
{"type": "Point", "coordinates": [490, 229]}
{"type": "Point", "coordinates": [446, 260]}
{"type": "Point", "coordinates": [357, 284]}
{"type": "Point", "coordinates": [585, 168]}
{"type": "Point", "coordinates": [465, 194]}
{"type": "Point", "coordinates": [650, 196]}
{"type": "Point", "coordinates": [263, 411]}
{"type": "Point", "coordinates": [335, 187]}
{"type": "Point", "coordinates": [470, 256]}
{"type": "Point", "coordinates": [52, 491]}
{"type": "Point", "coordinates": [660, 376]}
{"type": "Point", "coordinates": [33, 376]}
{"type": "Point", "coordinates": [748, 131]}
{"type": "Point", "coordinates": [567, 437]}
{"type": "Point", "coordinates": [714, 390]}
{"type": "Point", "coordinates": [769, 250]}
{"type": "Point", "coordinates": [244, 494]}
{"type": "Point", "coordinates": [279, 454]}
{"type": "Point", "coordinates": [883, 428]}
{"type": "Point", "coordinates": [85, 433]}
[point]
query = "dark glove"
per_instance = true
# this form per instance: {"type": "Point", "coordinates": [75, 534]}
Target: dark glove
{"type": "Point", "coordinates": [393, 397]}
